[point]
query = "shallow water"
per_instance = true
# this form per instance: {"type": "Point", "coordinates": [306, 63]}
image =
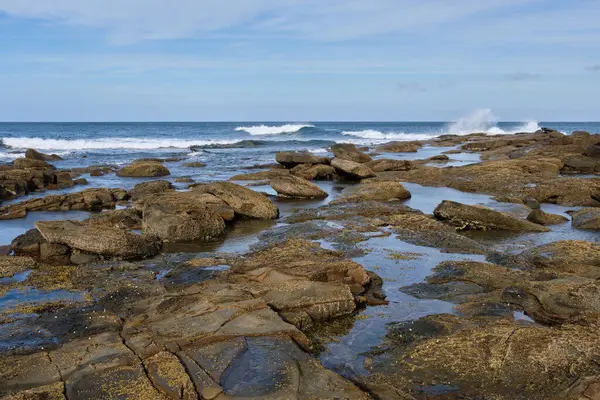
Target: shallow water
{"type": "Point", "coordinates": [10, 229]}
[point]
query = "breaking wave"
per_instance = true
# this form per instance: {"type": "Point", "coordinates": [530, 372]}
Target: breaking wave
{"type": "Point", "coordinates": [484, 121]}
{"type": "Point", "coordinates": [116, 143]}
{"type": "Point", "coordinates": [260, 130]}
{"type": "Point", "coordinates": [377, 135]}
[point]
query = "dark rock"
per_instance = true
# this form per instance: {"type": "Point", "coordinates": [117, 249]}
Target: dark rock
{"type": "Point", "coordinates": [314, 172]}
{"type": "Point", "coordinates": [543, 218]}
{"type": "Point", "coordinates": [96, 172]}
{"type": "Point", "coordinates": [80, 181]}
{"type": "Point", "coordinates": [36, 155]}
{"type": "Point", "coordinates": [400, 147]}
{"type": "Point", "coordinates": [466, 217]}
{"type": "Point", "coordinates": [64, 180]}
{"type": "Point", "coordinates": [593, 151]}
{"type": "Point", "coordinates": [55, 254]}
{"type": "Point", "coordinates": [195, 164]}
{"type": "Point", "coordinates": [27, 244]}
{"type": "Point", "coordinates": [23, 163]}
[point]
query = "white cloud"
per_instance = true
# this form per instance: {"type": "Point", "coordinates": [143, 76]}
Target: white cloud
{"type": "Point", "coordinates": [135, 20]}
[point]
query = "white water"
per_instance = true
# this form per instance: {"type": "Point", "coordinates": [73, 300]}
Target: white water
{"type": "Point", "coordinates": [107, 143]}
{"type": "Point", "coordinates": [381, 136]}
{"type": "Point", "coordinates": [261, 130]}
{"type": "Point", "coordinates": [484, 120]}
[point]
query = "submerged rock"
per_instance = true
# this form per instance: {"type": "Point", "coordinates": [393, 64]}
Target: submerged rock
{"type": "Point", "coordinates": [352, 169]}
{"type": "Point", "coordinates": [143, 169]}
{"type": "Point", "coordinates": [466, 217]}
{"type": "Point", "coordinates": [97, 239]}
{"type": "Point", "coordinates": [292, 186]}
{"type": "Point", "coordinates": [36, 155]}
{"type": "Point", "coordinates": [194, 164]}
{"type": "Point", "coordinates": [543, 218]}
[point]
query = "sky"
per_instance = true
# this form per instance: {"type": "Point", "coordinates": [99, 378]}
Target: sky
{"type": "Point", "coordinates": [298, 60]}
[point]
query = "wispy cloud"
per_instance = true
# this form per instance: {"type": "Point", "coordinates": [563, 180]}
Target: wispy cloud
{"type": "Point", "coordinates": [594, 68]}
{"type": "Point", "coordinates": [411, 87]}
{"type": "Point", "coordinates": [522, 77]}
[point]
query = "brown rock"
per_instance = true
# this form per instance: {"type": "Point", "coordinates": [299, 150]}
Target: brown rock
{"type": "Point", "coordinates": [588, 218]}
{"type": "Point", "coordinates": [290, 159]}
{"type": "Point", "coordinates": [543, 218]}
{"type": "Point", "coordinates": [400, 147]}
{"type": "Point", "coordinates": [352, 169]}
{"type": "Point", "coordinates": [347, 151]}
{"type": "Point", "coordinates": [292, 186]}
{"type": "Point", "coordinates": [36, 155]}
{"type": "Point", "coordinates": [143, 169]}
{"type": "Point", "coordinates": [149, 188]}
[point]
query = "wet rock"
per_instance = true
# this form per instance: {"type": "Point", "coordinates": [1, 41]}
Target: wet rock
{"type": "Point", "coordinates": [182, 221]}
{"type": "Point", "coordinates": [36, 155]}
{"type": "Point", "coordinates": [439, 158]}
{"type": "Point", "coordinates": [421, 230]}
{"type": "Point", "coordinates": [352, 169]}
{"type": "Point", "coordinates": [80, 181]}
{"type": "Point", "coordinates": [400, 147]}
{"type": "Point", "coordinates": [184, 179]}
{"type": "Point", "coordinates": [509, 360]}
{"type": "Point", "coordinates": [581, 165]}
{"type": "Point", "coordinates": [543, 218]}
{"type": "Point", "coordinates": [290, 159]}
{"type": "Point", "coordinates": [347, 151]}
{"type": "Point", "coordinates": [372, 210]}
{"type": "Point", "coordinates": [466, 217]}
{"type": "Point", "coordinates": [588, 218]}
{"type": "Point", "coordinates": [377, 191]}
{"type": "Point", "coordinates": [593, 151]}
{"type": "Point", "coordinates": [292, 186]}
{"type": "Point", "coordinates": [64, 180]}
{"type": "Point", "coordinates": [532, 203]}
{"type": "Point", "coordinates": [184, 202]}
{"type": "Point", "coordinates": [567, 256]}
{"type": "Point", "coordinates": [54, 254]}
{"type": "Point", "coordinates": [314, 172]}
{"type": "Point", "coordinates": [143, 169]}
{"type": "Point", "coordinates": [10, 265]}
{"type": "Point", "coordinates": [78, 258]}
{"type": "Point", "coordinates": [121, 219]}
{"type": "Point", "coordinates": [96, 172]}
{"type": "Point", "coordinates": [567, 191]}
{"type": "Point", "coordinates": [87, 200]}
{"type": "Point", "coordinates": [194, 164]}
{"type": "Point", "coordinates": [101, 240]}
{"type": "Point", "coordinates": [27, 244]}
{"type": "Point", "coordinates": [245, 202]}
{"type": "Point", "coordinates": [383, 165]}
{"type": "Point", "coordinates": [149, 188]}
{"type": "Point", "coordinates": [259, 176]}
{"type": "Point", "coordinates": [23, 163]}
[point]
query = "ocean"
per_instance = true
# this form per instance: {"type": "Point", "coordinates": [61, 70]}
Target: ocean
{"type": "Point", "coordinates": [228, 147]}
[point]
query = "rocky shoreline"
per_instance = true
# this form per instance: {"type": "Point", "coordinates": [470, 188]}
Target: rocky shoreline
{"type": "Point", "coordinates": [318, 304]}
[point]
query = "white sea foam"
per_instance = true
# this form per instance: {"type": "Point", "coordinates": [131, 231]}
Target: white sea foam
{"type": "Point", "coordinates": [107, 143]}
{"type": "Point", "coordinates": [484, 120]}
{"type": "Point", "coordinates": [260, 130]}
{"type": "Point", "coordinates": [378, 136]}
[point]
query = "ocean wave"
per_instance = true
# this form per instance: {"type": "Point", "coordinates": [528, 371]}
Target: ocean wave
{"type": "Point", "coordinates": [379, 136]}
{"type": "Point", "coordinates": [260, 130]}
{"type": "Point", "coordinates": [484, 121]}
{"type": "Point", "coordinates": [115, 143]}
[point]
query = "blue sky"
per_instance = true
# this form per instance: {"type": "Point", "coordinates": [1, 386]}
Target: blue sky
{"type": "Point", "coordinates": [298, 60]}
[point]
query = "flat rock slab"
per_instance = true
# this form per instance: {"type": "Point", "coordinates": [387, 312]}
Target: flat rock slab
{"type": "Point", "coordinates": [97, 239]}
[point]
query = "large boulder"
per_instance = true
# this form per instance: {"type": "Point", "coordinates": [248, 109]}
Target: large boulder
{"type": "Point", "coordinates": [144, 169]}
{"type": "Point", "coordinates": [148, 188]}
{"type": "Point", "coordinates": [36, 155]}
{"type": "Point", "coordinates": [588, 218]}
{"type": "Point", "coordinates": [378, 191]}
{"type": "Point", "coordinates": [290, 159]}
{"type": "Point", "coordinates": [352, 169]}
{"type": "Point", "coordinates": [466, 217]}
{"type": "Point", "coordinates": [245, 202]}
{"type": "Point", "coordinates": [292, 186]}
{"type": "Point", "coordinates": [98, 239]}
{"type": "Point", "coordinates": [581, 164]}
{"type": "Point", "coordinates": [347, 151]}
{"type": "Point", "coordinates": [24, 163]}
